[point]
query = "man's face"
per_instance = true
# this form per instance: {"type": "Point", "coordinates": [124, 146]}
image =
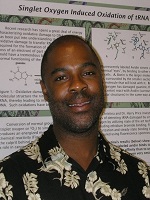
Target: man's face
{"type": "Point", "coordinates": [73, 87]}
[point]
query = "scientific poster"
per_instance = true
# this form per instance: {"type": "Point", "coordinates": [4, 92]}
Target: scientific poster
{"type": "Point", "coordinates": [120, 32]}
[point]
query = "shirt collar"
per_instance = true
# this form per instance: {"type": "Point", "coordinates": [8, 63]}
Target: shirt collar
{"type": "Point", "coordinates": [48, 141]}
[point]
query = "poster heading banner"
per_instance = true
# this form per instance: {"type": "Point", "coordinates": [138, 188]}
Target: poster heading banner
{"type": "Point", "coordinates": [58, 10]}
{"type": "Point", "coordinates": [137, 3]}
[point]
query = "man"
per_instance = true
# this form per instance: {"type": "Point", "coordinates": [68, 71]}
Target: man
{"type": "Point", "coordinates": [72, 160]}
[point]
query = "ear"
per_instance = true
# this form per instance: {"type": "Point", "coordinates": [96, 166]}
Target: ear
{"type": "Point", "coordinates": [44, 90]}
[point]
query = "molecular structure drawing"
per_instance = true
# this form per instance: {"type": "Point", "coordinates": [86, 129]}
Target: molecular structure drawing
{"type": "Point", "coordinates": [18, 75]}
{"type": "Point", "coordinates": [115, 43]}
{"type": "Point", "coordinates": [140, 44]}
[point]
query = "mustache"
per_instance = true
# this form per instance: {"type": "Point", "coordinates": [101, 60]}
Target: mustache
{"type": "Point", "coordinates": [72, 98]}
{"type": "Point", "coordinates": [79, 95]}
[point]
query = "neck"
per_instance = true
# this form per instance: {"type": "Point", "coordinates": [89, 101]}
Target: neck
{"type": "Point", "coordinates": [81, 148]}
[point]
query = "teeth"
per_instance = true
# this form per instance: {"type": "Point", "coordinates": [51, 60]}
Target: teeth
{"type": "Point", "coordinates": [79, 104]}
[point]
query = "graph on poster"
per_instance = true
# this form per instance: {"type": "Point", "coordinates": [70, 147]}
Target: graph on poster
{"type": "Point", "coordinates": [126, 57]}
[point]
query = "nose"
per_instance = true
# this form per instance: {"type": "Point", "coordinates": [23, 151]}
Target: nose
{"type": "Point", "coordinates": [77, 85]}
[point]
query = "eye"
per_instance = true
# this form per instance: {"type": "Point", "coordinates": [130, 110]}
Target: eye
{"type": "Point", "coordinates": [89, 73]}
{"type": "Point", "coordinates": [60, 78]}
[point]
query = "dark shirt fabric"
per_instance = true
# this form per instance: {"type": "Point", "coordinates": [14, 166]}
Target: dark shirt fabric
{"type": "Point", "coordinates": [42, 171]}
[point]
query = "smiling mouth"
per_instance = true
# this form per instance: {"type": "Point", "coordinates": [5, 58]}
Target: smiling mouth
{"type": "Point", "coordinates": [79, 104]}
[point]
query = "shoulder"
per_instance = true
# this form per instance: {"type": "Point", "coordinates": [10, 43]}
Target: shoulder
{"type": "Point", "coordinates": [135, 169]}
{"type": "Point", "coordinates": [120, 155]}
{"type": "Point", "coordinates": [15, 170]}
{"type": "Point", "coordinates": [25, 159]}
{"type": "Point", "coordinates": [29, 157]}
{"type": "Point", "coordinates": [139, 172]}
{"type": "Point", "coordinates": [11, 176]}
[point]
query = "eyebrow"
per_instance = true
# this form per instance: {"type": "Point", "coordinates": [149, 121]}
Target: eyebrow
{"type": "Point", "coordinates": [60, 69]}
{"type": "Point", "coordinates": [88, 64]}
{"type": "Point", "coordinates": [63, 69]}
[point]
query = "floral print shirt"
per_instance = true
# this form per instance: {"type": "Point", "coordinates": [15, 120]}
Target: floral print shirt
{"type": "Point", "coordinates": [43, 171]}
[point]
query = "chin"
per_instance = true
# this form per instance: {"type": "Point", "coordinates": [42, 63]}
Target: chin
{"type": "Point", "coordinates": [80, 129]}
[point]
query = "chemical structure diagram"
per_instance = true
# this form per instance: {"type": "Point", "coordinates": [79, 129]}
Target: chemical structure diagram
{"type": "Point", "coordinates": [18, 75]}
{"type": "Point", "coordinates": [140, 44]}
{"type": "Point", "coordinates": [115, 43]}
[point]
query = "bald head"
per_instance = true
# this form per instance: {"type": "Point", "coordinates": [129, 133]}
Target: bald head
{"type": "Point", "coordinates": [61, 41]}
